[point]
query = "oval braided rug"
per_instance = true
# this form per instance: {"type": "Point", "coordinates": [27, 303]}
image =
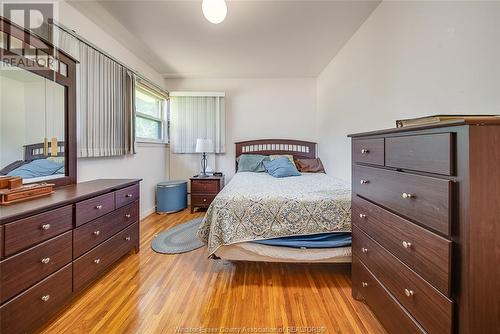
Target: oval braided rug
{"type": "Point", "coordinates": [178, 239]}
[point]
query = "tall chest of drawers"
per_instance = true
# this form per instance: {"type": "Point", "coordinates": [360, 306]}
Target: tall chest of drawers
{"type": "Point", "coordinates": [53, 247]}
{"type": "Point", "coordinates": [426, 226]}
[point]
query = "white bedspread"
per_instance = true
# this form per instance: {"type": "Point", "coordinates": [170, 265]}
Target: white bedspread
{"type": "Point", "coordinates": [257, 206]}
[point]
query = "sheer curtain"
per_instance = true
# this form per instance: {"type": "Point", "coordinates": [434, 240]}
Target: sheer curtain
{"type": "Point", "coordinates": [197, 115]}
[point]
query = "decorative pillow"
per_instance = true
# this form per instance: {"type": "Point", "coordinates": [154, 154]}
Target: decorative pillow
{"type": "Point", "coordinates": [36, 168]}
{"type": "Point", "coordinates": [310, 165]}
{"type": "Point", "coordinates": [252, 163]}
{"type": "Point", "coordinates": [10, 167]}
{"type": "Point", "coordinates": [277, 156]}
{"type": "Point", "coordinates": [281, 167]}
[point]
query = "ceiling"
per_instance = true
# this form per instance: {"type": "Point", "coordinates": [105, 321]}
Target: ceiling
{"type": "Point", "coordinates": [267, 39]}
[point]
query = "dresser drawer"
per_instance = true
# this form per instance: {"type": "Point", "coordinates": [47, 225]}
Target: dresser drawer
{"type": "Point", "coordinates": [93, 208]}
{"type": "Point", "coordinates": [91, 265]}
{"type": "Point", "coordinates": [202, 200]}
{"type": "Point", "coordinates": [27, 232]}
{"type": "Point", "coordinates": [426, 304]}
{"type": "Point", "coordinates": [394, 318]}
{"type": "Point", "coordinates": [205, 187]}
{"type": "Point", "coordinates": [431, 153]}
{"type": "Point", "coordinates": [25, 269]}
{"type": "Point", "coordinates": [88, 236]}
{"type": "Point", "coordinates": [425, 252]}
{"type": "Point", "coordinates": [423, 199]}
{"type": "Point", "coordinates": [32, 308]}
{"type": "Point", "coordinates": [1, 241]}
{"type": "Point", "coordinates": [369, 151]}
{"type": "Point", "coordinates": [126, 195]}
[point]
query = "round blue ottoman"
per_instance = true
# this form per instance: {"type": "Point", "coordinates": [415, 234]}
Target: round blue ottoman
{"type": "Point", "coordinates": [171, 196]}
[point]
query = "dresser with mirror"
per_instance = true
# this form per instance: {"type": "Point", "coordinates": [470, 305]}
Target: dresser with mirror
{"type": "Point", "coordinates": [53, 247]}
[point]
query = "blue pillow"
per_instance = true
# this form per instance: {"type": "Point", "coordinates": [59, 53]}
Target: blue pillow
{"type": "Point", "coordinates": [37, 168]}
{"type": "Point", "coordinates": [252, 163]}
{"type": "Point", "coordinates": [281, 167]}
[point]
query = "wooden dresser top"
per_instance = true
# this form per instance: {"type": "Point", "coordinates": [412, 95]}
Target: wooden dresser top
{"type": "Point", "coordinates": [62, 196]}
{"type": "Point", "coordinates": [482, 121]}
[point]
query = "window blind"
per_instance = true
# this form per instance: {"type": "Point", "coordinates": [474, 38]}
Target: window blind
{"type": "Point", "coordinates": [197, 115]}
{"type": "Point", "coordinates": [106, 107]}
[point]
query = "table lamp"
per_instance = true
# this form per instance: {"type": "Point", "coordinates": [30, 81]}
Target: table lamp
{"type": "Point", "coordinates": [204, 146]}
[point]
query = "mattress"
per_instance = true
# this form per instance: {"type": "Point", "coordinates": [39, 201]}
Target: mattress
{"type": "Point", "coordinates": [257, 206]}
{"type": "Point", "coordinates": [248, 251]}
{"type": "Point", "coordinates": [323, 240]}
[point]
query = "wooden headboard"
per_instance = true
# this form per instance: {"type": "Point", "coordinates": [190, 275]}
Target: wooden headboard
{"type": "Point", "coordinates": [35, 151]}
{"type": "Point", "coordinates": [297, 148]}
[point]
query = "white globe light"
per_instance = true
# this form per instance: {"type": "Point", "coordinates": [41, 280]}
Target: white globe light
{"type": "Point", "coordinates": [215, 11]}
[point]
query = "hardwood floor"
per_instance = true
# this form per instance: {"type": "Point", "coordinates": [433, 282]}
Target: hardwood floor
{"type": "Point", "coordinates": [155, 293]}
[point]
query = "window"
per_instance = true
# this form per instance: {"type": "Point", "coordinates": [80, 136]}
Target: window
{"type": "Point", "coordinates": [197, 115]}
{"type": "Point", "coordinates": [150, 115]}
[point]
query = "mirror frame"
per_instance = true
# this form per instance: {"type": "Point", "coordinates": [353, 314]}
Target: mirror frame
{"type": "Point", "coordinates": [34, 43]}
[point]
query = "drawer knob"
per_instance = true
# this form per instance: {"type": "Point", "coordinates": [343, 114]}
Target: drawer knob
{"type": "Point", "coordinates": [364, 250]}
{"type": "Point", "coordinates": [45, 226]}
{"type": "Point", "coordinates": [364, 284]}
{"type": "Point", "coordinates": [364, 181]}
{"type": "Point", "coordinates": [97, 261]}
{"type": "Point", "coordinates": [204, 200]}
{"type": "Point", "coordinates": [127, 239]}
{"type": "Point", "coordinates": [97, 232]}
{"type": "Point", "coordinates": [46, 298]}
{"type": "Point", "coordinates": [128, 195]}
{"type": "Point", "coordinates": [409, 293]}
{"type": "Point", "coordinates": [128, 215]}
{"type": "Point", "coordinates": [362, 215]}
{"type": "Point", "coordinates": [406, 244]}
{"type": "Point", "coordinates": [46, 260]}
{"type": "Point", "coordinates": [406, 195]}
{"type": "Point", "coordinates": [365, 151]}
{"type": "Point", "coordinates": [98, 207]}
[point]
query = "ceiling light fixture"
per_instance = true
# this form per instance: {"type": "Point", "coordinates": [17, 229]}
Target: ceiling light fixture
{"type": "Point", "coordinates": [215, 11]}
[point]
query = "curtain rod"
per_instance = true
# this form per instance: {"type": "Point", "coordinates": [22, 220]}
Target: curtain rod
{"type": "Point", "coordinates": [95, 47]}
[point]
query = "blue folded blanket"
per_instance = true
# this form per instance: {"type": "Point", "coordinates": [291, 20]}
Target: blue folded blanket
{"type": "Point", "coordinates": [323, 240]}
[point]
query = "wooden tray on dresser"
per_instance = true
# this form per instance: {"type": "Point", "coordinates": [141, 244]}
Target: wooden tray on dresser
{"type": "Point", "coordinates": [24, 193]}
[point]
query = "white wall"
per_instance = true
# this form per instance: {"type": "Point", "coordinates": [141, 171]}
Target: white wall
{"type": "Point", "coordinates": [12, 120]}
{"type": "Point", "coordinates": [409, 59]}
{"type": "Point", "coordinates": [150, 162]}
{"type": "Point", "coordinates": [255, 109]}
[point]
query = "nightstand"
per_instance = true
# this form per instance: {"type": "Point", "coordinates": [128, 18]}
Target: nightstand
{"type": "Point", "coordinates": [204, 190]}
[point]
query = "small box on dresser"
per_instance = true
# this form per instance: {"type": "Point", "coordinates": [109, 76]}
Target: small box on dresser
{"type": "Point", "coordinates": [54, 247]}
{"type": "Point", "coordinates": [425, 226]}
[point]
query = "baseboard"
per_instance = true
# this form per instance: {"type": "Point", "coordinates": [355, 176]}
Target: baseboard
{"type": "Point", "coordinates": [147, 212]}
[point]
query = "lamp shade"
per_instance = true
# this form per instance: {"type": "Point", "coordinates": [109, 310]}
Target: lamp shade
{"type": "Point", "coordinates": [204, 145]}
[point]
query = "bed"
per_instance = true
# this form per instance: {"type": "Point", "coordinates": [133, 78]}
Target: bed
{"type": "Point", "coordinates": [37, 165]}
{"type": "Point", "coordinates": [257, 217]}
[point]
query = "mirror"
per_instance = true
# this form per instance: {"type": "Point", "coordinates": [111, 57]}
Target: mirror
{"type": "Point", "coordinates": [32, 125]}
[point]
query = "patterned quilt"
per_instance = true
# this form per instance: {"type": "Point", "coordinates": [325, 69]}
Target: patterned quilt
{"type": "Point", "coordinates": [257, 206]}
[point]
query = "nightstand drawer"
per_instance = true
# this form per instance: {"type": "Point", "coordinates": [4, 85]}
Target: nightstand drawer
{"type": "Point", "coordinates": [205, 186]}
{"type": "Point", "coordinates": [202, 200]}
